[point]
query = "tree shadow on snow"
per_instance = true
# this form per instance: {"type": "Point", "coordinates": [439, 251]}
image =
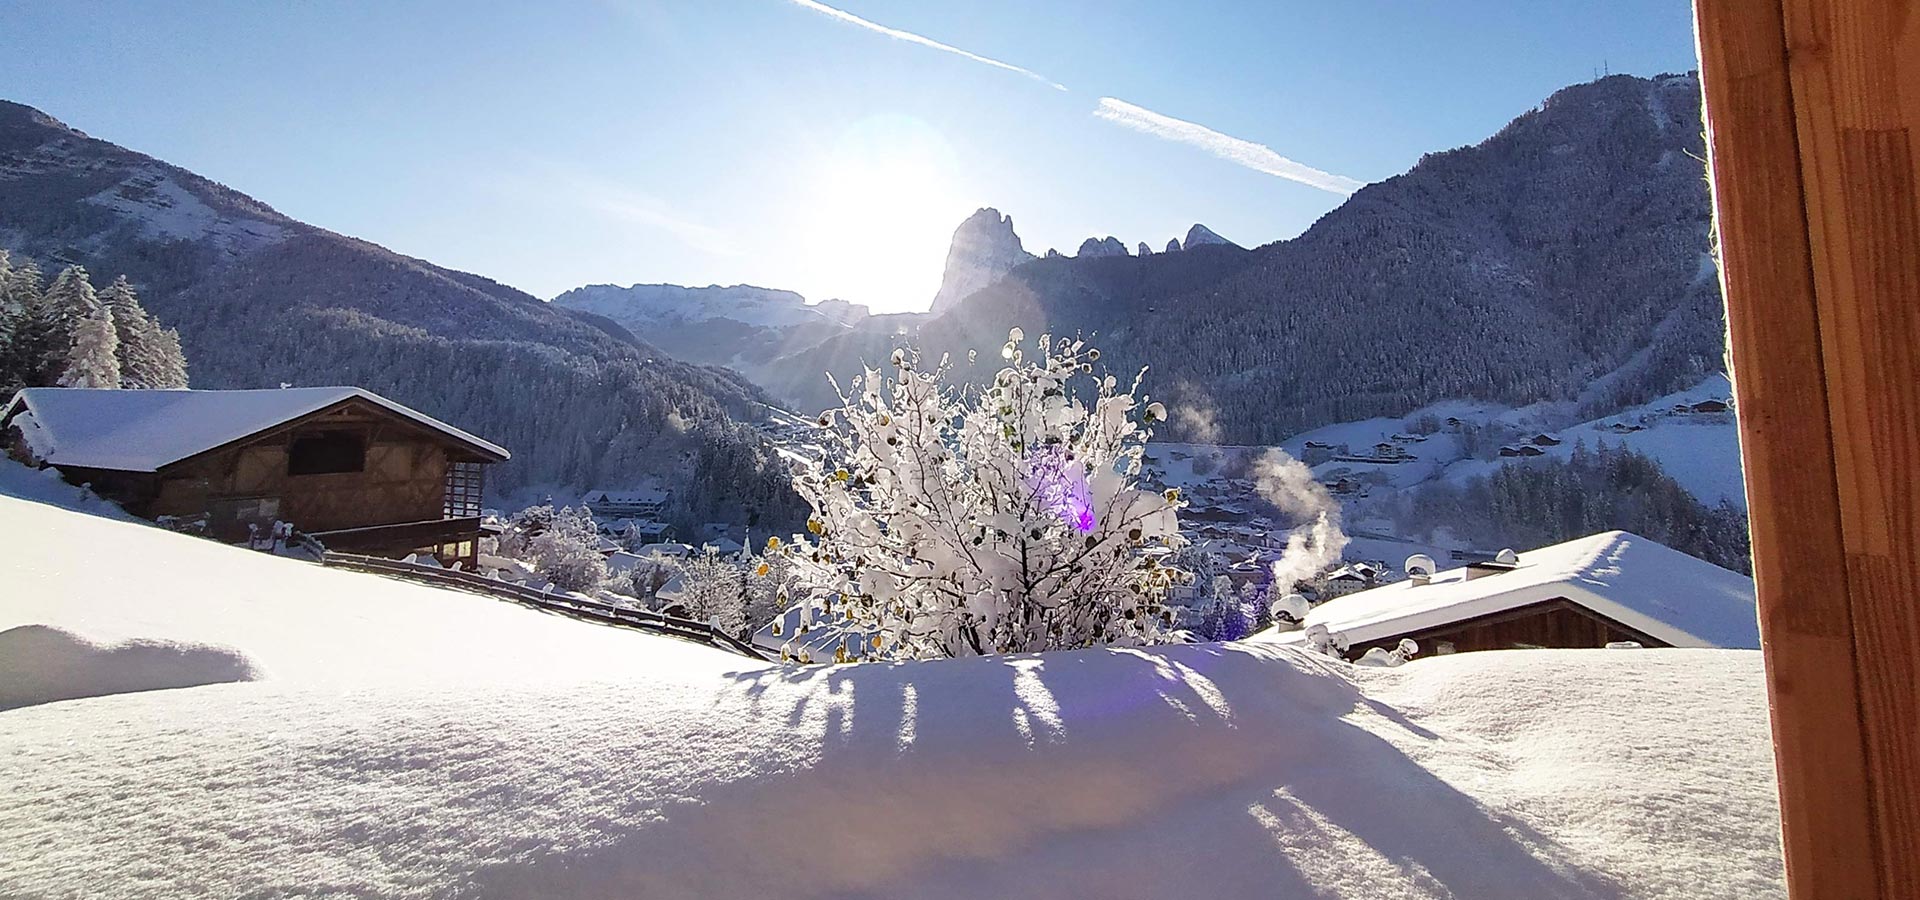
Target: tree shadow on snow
{"type": "Point", "coordinates": [1221, 769]}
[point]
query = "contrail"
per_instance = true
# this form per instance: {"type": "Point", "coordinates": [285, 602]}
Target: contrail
{"type": "Point", "coordinates": [912, 38]}
{"type": "Point", "coordinates": [1257, 157]}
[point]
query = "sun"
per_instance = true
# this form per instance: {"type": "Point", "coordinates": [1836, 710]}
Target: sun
{"type": "Point", "coordinates": [882, 210]}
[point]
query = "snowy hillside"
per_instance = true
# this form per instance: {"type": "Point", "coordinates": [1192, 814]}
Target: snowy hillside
{"type": "Point", "coordinates": [1700, 450]}
{"type": "Point", "coordinates": [372, 738]}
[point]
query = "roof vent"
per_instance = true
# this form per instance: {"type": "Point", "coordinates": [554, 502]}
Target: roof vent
{"type": "Point", "coordinates": [1289, 611]}
{"type": "Point", "coordinates": [1420, 568]}
{"type": "Point", "coordinates": [1504, 561]}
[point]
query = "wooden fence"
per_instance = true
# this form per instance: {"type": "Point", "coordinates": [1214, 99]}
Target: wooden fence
{"type": "Point", "coordinates": [645, 620]}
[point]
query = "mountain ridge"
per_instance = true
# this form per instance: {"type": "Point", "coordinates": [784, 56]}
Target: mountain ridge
{"type": "Point", "coordinates": [1563, 252]}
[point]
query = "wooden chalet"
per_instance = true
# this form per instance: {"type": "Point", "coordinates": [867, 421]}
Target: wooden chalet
{"type": "Point", "coordinates": [358, 472]}
{"type": "Point", "coordinates": [1584, 593]}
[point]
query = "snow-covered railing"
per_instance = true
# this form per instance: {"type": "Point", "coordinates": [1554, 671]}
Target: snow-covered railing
{"type": "Point", "coordinates": [645, 620]}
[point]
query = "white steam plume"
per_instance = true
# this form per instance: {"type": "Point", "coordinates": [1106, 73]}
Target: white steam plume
{"type": "Point", "coordinates": [1288, 484]}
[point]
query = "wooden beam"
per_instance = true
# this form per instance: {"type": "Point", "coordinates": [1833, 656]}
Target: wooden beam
{"type": "Point", "coordinates": [1812, 107]}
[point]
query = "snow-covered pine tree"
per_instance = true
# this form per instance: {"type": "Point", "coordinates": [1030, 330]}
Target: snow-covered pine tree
{"type": "Point", "coordinates": [962, 521]}
{"type": "Point", "coordinates": [91, 362]}
{"type": "Point", "coordinates": [169, 361]}
{"type": "Point", "coordinates": [63, 305]}
{"type": "Point", "coordinates": [139, 348]}
{"type": "Point", "coordinates": [23, 358]}
{"type": "Point", "coordinates": [10, 316]}
{"type": "Point", "coordinates": [1237, 619]}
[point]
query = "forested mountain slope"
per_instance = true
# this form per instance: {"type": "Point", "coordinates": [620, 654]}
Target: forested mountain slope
{"type": "Point", "coordinates": [1565, 258]}
{"type": "Point", "coordinates": [261, 299]}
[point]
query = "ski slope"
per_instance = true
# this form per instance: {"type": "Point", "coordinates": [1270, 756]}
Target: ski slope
{"type": "Point", "coordinates": [395, 740]}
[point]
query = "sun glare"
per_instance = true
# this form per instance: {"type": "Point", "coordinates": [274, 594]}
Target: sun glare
{"type": "Point", "coordinates": [881, 212]}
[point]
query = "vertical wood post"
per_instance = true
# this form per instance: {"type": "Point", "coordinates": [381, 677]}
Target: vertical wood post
{"type": "Point", "coordinates": [1813, 112]}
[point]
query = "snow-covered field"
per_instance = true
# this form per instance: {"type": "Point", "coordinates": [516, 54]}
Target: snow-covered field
{"type": "Point", "coordinates": [392, 740]}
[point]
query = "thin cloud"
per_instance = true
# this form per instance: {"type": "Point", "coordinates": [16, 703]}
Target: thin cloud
{"type": "Point", "coordinates": [1257, 157]}
{"type": "Point", "coordinates": [912, 38]}
{"type": "Point", "coordinates": [612, 201]}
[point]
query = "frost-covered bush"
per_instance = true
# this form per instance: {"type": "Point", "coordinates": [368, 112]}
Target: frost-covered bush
{"type": "Point", "coordinates": [713, 588]}
{"type": "Point", "coordinates": [954, 521]}
{"type": "Point", "coordinates": [563, 546]}
{"type": "Point", "coordinates": [644, 579]}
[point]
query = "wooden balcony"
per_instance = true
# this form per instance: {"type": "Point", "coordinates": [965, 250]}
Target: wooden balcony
{"type": "Point", "coordinates": [450, 540]}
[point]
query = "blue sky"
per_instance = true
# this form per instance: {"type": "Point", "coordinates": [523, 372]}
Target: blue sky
{"type": "Point", "coordinates": [764, 141]}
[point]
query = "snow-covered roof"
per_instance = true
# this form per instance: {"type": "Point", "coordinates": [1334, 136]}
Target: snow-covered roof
{"type": "Point", "coordinates": [143, 431]}
{"type": "Point", "coordinates": [642, 495]}
{"type": "Point", "coordinates": [1637, 582]}
{"type": "Point", "coordinates": [621, 562]}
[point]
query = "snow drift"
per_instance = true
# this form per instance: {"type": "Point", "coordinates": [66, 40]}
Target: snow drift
{"type": "Point", "coordinates": [39, 664]}
{"type": "Point", "coordinates": [413, 742]}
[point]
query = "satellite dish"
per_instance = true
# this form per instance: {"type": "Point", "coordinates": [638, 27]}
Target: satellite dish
{"type": "Point", "coordinates": [1507, 557]}
{"type": "Point", "coordinates": [1420, 568]}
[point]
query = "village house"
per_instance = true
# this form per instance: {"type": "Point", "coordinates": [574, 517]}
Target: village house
{"type": "Point", "coordinates": [1349, 579]}
{"type": "Point", "coordinates": [642, 503]}
{"type": "Point", "coordinates": [1522, 450]}
{"type": "Point", "coordinates": [637, 531]}
{"type": "Point", "coordinates": [1609, 588]}
{"type": "Point", "coordinates": [1314, 453]}
{"type": "Point", "coordinates": [355, 470]}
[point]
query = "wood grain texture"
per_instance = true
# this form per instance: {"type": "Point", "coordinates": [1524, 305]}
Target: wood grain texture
{"type": "Point", "coordinates": [1812, 108]}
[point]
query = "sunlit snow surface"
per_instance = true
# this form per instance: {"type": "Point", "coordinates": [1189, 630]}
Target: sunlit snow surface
{"type": "Point", "coordinates": [411, 742]}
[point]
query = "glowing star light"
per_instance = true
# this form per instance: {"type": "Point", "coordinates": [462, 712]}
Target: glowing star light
{"type": "Point", "coordinates": [1059, 485]}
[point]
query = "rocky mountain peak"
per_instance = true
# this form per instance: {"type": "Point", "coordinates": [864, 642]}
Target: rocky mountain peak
{"type": "Point", "coordinates": [984, 248]}
{"type": "Point", "coordinates": [1106, 246]}
{"type": "Point", "coordinates": [1201, 235]}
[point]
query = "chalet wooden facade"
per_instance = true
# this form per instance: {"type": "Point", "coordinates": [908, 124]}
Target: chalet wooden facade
{"type": "Point", "coordinates": [1554, 623]}
{"type": "Point", "coordinates": [355, 470]}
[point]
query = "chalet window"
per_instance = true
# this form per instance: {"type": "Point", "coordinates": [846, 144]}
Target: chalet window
{"type": "Point", "coordinates": [464, 486]}
{"type": "Point", "coordinates": [327, 452]}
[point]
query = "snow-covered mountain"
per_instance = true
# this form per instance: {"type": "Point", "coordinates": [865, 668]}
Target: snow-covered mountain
{"type": "Point", "coordinates": [735, 326]}
{"type": "Point", "coordinates": [741, 303]}
{"type": "Point", "coordinates": [1564, 259]}
{"type": "Point", "coordinates": [984, 248]}
{"type": "Point", "coordinates": [260, 299]}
